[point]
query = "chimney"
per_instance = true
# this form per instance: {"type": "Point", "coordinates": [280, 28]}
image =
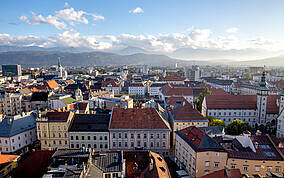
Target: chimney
{"type": "Point", "coordinates": [228, 171]}
{"type": "Point", "coordinates": [258, 133]}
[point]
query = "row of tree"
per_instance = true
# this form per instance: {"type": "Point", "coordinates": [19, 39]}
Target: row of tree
{"type": "Point", "coordinates": [236, 127]}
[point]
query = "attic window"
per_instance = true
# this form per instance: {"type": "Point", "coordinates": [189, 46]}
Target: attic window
{"type": "Point", "coordinates": [160, 159]}
{"type": "Point", "coordinates": [163, 169]}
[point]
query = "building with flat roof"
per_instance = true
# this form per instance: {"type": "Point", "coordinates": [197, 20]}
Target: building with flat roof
{"type": "Point", "coordinates": [11, 70]}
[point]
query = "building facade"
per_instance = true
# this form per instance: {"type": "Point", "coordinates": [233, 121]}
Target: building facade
{"type": "Point", "coordinates": [139, 128]}
{"type": "Point", "coordinates": [89, 131]}
{"type": "Point", "coordinates": [11, 104]}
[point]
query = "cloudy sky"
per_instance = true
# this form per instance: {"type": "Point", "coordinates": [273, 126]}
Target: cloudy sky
{"type": "Point", "coordinates": [153, 25]}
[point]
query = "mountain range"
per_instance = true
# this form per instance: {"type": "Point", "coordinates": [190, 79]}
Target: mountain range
{"type": "Point", "coordinates": [38, 56]}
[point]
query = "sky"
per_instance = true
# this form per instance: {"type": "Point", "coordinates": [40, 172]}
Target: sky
{"type": "Point", "coordinates": [153, 25]}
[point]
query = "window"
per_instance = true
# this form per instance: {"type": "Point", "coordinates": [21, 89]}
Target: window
{"type": "Point", "coordinates": [257, 168]}
{"type": "Point", "coordinates": [119, 144]}
{"type": "Point", "coordinates": [151, 135]}
{"type": "Point", "coordinates": [269, 169]}
{"type": "Point", "coordinates": [158, 135]}
{"type": "Point", "coordinates": [13, 140]}
{"type": "Point", "coordinates": [158, 144]}
{"type": "Point", "coordinates": [125, 135]}
{"type": "Point", "coordinates": [132, 136]}
{"type": "Point", "coordinates": [105, 146]}
{"type": "Point", "coordinates": [277, 169]}
{"type": "Point", "coordinates": [233, 166]}
{"type": "Point", "coordinates": [114, 175]}
{"type": "Point", "coordinates": [89, 145]}
{"type": "Point", "coordinates": [77, 137]}
{"type": "Point", "coordinates": [59, 142]}
{"type": "Point", "coordinates": [101, 146]}
{"type": "Point", "coordinates": [83, 138]}
{"type": "Point", "coordinates": [77, 145]}
{"type": "Point", "coordinates": [164, 135]}
{"type": "Point", "coordinates": [138, 136]}
{"type": "Point", "coordinates": [207, 163]}
{"type": "Point", "coordinates": [145, 136]}
{"type": "Point", "coordinates": [164, 144]}
{"type": "Point", "coordinates": [217, 154]}
{"type": "Point", "coordinates": [95, 137]}
{"type": "Point", "coordinates": [138, 143]}
{"type": "Point", "coordinates": [101, 137]}
{"type": "Point", "coordinates": [89, 137]}
{"type": "Point", "coordinates": [119, 135]}
{"type": "Point", "coordinates": [71, 137]}
{"type": "Point", "coordinates": [113, 135]}
{"type": "Point", "coordinates": [206, 172]}
{"type": "Point", "coordinates": [107, 175]}
{"type": "Point", "coordinates": [152, 144]}
{"type": "Point", "coordinates": [72, 145]}
{"type": "Point", "coordinates": [245, 167]}
{"type": "Point", "coordinates": [132, 144]}
{"type": "Point", "coordinates": [125, 144]}
{"type": "Point", "coordinates": [105, 137]}
{"type": "Point", "coordinates": [95, 145]}
{"type": "Point", "coordinates": [113, 143]}
{"type": "Point", "coordinates": [216, 164]}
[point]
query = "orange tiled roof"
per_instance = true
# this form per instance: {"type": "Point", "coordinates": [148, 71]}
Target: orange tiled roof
{"type": "Point", "coordinates": [52, 84]}
{"type": "Point", "coordinates": [7, 158]}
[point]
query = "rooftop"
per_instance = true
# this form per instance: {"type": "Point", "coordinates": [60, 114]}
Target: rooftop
{"type": "Point", "coordinates": [137, 118]}
{"type": "Point", "coordinates": [90, 123]}
{"type": "Point", "coordinates": [198, 139]}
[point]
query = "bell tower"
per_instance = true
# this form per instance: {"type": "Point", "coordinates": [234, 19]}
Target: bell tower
{"type": "Point", "coordinates": [262, 96]}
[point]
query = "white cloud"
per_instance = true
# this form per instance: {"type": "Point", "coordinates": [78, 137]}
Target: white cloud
{"type": "Point", "coordinates": [137, 10]}
{"type": "Point", "coordinates": [39, 19]}
{"type": "Point", "coordinates": [66, 4]}
{"type": "Point", "coordinates": [161, 43]}
{"type": "Point", "coordinates": [232, 30]}
{"type": "Point", "coordinates": [71, 15]}
{"type": "Point", "coordinates": [62, 18]}
{"type": "Point", "coordinates": [97, 17]}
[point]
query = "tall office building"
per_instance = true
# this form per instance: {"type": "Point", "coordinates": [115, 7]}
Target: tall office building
{"type": "Point", "coordinates": [11, 70]}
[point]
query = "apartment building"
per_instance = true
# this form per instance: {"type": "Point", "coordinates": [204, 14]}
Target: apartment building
{"type": "Point", "coordinates": [17, 132]}
{"type": "Point", "coordinates": [111, 86]}
{"type": "Point", "coordinates": [139, 128]}
{"type": "Point", "coordinates": [89, 131]}
{"type": "Point", "coordinates": [11, 104]}
{"type": "Point", "coordinates": [138, 89]}
{"type": "Point", "coordinates": [198, 153]}
{"type": "Point", "coordinates": [52, 129]}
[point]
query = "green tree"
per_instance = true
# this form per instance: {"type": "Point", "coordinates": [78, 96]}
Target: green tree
{"type": "Point", "coordinates": [237, 127]}
{"type": "Point", "coordinates": [201, 98]}
{"type": "Point", "coordinates": [215, 122]}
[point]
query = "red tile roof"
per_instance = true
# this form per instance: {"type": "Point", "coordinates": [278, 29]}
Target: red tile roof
{"type": "Point", "coordinates": [193, 134]}
{"type": "Point", "coordinates": [231, 101]}
{"type": "Point", "coordinates": [234, 173]}
{"type": "Point", "coordinates": [272, 107]}
{"type": "Point", "coordinates": [78, 106]}
{"type": "Point", "coordinates": [170, 90]}
{"type": "Point", "coordinates": [240, 102]}
{"type": "Point", "coordinates": [136, 85]}
{"type": "Point", "coordinates": [172, 78]}
{"type": "Point", "coordinates": [136, 118]}
{"type": "Point", "coordinates": [260, 152]}
{"type": "Point", "coordinates": [58, 116]}
{"type": "Point", "coordinates": [111, 82]}
{"type": "Point", "coordinates": [35, 165]}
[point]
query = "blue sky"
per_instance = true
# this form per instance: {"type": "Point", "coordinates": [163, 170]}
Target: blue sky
{"type": "Point", "coordinates": [255, 21]}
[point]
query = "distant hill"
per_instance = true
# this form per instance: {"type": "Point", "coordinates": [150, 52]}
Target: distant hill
{"type": "Point", "coordinates": [45, 58]}
{"type": "Point", "coordinates": [131, 50]}
{"type": "Point", "coordinates": [272, 61]}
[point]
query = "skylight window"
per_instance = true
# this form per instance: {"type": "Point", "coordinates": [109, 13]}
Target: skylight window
{"type": "Point", "coordinates": [269, 154]}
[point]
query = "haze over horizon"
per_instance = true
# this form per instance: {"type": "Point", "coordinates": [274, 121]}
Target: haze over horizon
{"type": "Point", "coordinates": [195, 30]}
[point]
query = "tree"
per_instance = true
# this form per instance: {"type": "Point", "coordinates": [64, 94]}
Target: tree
{"type": "Point", "coordinates": [201, 98]}
{"type": "Point", "coordinates": [215, 122]}
{"type": "Point", "coordinates": [237, 127]}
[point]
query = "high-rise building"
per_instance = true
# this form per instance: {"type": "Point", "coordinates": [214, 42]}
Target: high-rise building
{"type": "Point", "coordinates": [11, 70]}
{"type": "Point", "coordinates": [192, 74]}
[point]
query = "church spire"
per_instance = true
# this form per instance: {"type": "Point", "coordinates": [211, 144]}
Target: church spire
{"type": "Point", "coordinates": [59, 63]}
{"type": "Point", "coordinates": [263, 83]}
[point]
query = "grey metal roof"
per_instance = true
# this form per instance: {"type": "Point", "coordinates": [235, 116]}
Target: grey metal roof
{"type": "Point", "coordinates": [90, 123]}
{"type": "Point", "coordinates": [11, 126]}
{"type": "Point", "coordinates": [213, 130]}
{"type": "Point", "coordinates": [108, 161]}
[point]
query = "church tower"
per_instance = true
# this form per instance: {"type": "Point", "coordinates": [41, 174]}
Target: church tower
{"type": "Point", "coordinates": [262, 96]}
{"type": "Point", "coordinates": [60, 69]}
{"type": "Point", "coordinates": [78, 95]}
